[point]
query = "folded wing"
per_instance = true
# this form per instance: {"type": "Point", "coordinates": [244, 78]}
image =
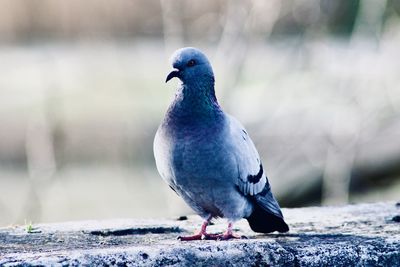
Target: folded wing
{"type": "Point", "coordinates": [253, 183]}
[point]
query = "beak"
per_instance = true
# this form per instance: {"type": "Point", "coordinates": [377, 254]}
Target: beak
{"type": "Point", "coordinates": [172, 74]}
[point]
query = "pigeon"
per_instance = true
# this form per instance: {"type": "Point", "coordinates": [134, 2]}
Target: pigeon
{"type": "Point", "coordinates": [207, 157]}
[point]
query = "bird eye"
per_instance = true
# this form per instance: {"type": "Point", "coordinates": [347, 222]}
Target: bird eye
{"type": "Point", "coordinates": [191, 63]}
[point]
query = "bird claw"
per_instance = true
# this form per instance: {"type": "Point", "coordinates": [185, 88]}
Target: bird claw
{"type": "Point", "coordinates": [217, 237]}
{"type": "Point", "coordinates": [190, 238]}
{"type": "Point", "coordinates": [229, 236]}
{"type": "Point", "coordinates": [203, 236]}
{"type": "Point", "coordinates": [210, 236]}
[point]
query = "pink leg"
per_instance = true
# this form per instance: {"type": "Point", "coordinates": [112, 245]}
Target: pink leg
{"type": "Point", "coordinates": [229, 234]}
{"type": "Point", "coordinates": [201, 235]}
{"type": "Point", "coordinates": [204, 235]}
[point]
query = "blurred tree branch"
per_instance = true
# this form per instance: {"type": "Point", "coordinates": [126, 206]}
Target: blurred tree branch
{"type": "Point", "coordinates": [172, 24]}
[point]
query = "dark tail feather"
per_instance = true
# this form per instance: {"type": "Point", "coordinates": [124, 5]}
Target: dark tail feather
{"type": "Point", "coordinates": [262, 221]}
{"type": "Point", "coordinates": [267, 216]}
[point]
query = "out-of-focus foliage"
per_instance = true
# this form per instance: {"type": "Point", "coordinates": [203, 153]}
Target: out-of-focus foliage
{"type": "Point", "coordinates": [81, 94]}
{"type": "Point", "coordinates": [25, 20]}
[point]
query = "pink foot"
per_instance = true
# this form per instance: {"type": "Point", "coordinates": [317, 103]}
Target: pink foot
{"type": "Point", "coordinates": [229, 236]}
{"type": "Point", "coordinates": [190, 237]}
{"type": "Point", "coordinates": [200, 236]}
{"type": "Point", "coordinates": [211, 236]}
{"type": "Point", "coordinates": [225, 236]}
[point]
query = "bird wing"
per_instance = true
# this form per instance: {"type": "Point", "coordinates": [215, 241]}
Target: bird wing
{"type": "Point", "coordinates": [252, 180]}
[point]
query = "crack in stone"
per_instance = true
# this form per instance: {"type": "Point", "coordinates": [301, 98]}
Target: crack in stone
{"type": "Point", "coordinates": [135, 231]}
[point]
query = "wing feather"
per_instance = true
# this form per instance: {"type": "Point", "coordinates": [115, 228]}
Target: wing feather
{"type": "Point", "coordinates": [251, 179]}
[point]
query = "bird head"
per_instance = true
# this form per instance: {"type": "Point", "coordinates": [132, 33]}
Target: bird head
{"type": "Point", "coordinates": [190, 65]}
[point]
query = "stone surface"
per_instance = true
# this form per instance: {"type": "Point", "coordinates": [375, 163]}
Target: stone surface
{"type": "Point", "coordinates": [354, 235]}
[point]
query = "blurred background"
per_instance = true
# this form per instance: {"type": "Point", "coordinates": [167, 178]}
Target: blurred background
{"type": "Point", "coordinates": [315, 82]}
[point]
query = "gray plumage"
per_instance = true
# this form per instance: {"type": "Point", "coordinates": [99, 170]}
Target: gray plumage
{"type": "Point", "coordinates": [206, 155]}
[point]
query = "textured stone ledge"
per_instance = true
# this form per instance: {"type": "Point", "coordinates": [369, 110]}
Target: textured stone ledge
{"type": "Point", "coordinates": [354, 235]}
